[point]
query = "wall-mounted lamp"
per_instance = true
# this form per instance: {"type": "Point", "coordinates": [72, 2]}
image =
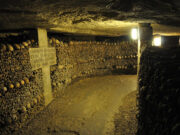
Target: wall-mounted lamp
{"type": "Point", "coordinates": [134, 33]}
{"type": "Point", "coordinates": [157, 41]}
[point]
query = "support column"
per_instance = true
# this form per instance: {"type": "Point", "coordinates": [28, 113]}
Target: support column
{"type": "Point", "coordinates": [43, 43]}
{"type": "Point", "coordinates": [145, 39]}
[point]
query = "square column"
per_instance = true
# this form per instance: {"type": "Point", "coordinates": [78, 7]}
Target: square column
{"type": "Point", "coordinates": [43, 57]}
{"type": "Point", "coordinates": [144, 41]}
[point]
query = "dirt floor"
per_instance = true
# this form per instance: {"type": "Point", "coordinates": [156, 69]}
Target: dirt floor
{"type": "Point", "coordinates": [125, 120]}
{"type": "Point", "coordinates": [89, 107]}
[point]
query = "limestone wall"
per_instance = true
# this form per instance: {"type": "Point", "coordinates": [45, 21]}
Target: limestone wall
{"type": "Point", "coordinates": [159, 92]}
{"type": "Point", "coordinates": [21, 88]}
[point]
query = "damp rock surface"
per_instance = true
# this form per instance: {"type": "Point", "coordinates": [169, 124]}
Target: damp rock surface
{"type": "Point", "coordinates": [95, 17]}
{"type": "Point", "coordinates": [87, 107]}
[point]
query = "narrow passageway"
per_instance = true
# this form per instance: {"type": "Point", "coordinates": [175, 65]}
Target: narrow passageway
{"type": "Point", "coordinates": [86, 108]}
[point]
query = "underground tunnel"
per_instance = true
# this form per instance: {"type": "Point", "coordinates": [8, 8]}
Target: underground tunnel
{"type": "Point", "coordinates": [85, 67]}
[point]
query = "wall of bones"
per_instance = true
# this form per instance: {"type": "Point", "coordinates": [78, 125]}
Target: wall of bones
{"type": "Point", "coordinates": [21, 92]}
{"type": "Point", "coordinates": [21, 88]}
{"type": "Point", "coordinates": [159, 92]}
{"type": "Point", "coordinates": [85, 59]}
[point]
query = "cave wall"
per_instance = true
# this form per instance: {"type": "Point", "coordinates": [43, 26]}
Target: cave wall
{"type": "Point", "coordinates": [21, 88]}
{"type": "Point", "coordinates": [159, 91]}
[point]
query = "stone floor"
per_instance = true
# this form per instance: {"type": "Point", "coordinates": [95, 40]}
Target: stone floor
{"type": "Point", "coordinates": [87, 107]}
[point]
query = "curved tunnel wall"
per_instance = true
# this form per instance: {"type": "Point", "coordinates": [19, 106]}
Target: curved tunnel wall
{"type": "Point", "coordinates": [21, 89]}
{"type": "Point", "coordinates": [87, 59]}
{"type": "Point", "coordinates": [159, 91]}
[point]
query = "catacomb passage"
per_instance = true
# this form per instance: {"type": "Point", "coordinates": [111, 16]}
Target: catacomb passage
{"type": "Point", "coordinates": [89, 67]}
{"type": "Point", "coordinates": [22, 87]}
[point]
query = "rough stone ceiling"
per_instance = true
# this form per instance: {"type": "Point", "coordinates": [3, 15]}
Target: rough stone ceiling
{"type": "Point", "coordinates": [96, 17]}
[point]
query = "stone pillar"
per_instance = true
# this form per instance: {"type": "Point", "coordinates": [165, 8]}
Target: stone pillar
{"type": "Point", "coordinates": [145, 39]}
{"type": "Point", "coordinates": [43, 43]}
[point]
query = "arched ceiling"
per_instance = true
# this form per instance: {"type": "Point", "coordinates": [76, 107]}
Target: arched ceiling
{"type": "Point", "coordinates": [94, 17]}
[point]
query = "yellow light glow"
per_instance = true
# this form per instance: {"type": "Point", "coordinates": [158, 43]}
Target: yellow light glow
{"type": "Point", "coordinates": [157, 41]}
{"type": "Point", "coordinates": [134, 33]}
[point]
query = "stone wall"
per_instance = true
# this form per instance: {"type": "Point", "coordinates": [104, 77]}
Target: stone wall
{"type": "Point", "coordinates": [21, 88]}
{"type": "Point", "coordinates": [159, 90]}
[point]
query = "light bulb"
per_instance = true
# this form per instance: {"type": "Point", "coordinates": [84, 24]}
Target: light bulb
{"type": "Point", "coordinates": [134, 33]}
{"type": "Point", "coordinates": [157, 41]}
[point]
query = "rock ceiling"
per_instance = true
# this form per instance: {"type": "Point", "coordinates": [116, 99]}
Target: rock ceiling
{"type": "Point", "coordinates": [95, 17]}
